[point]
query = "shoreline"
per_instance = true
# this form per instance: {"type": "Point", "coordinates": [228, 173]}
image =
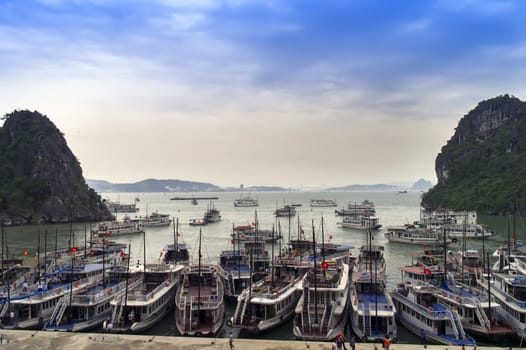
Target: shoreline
{"type": "Point", "coordinates": [29, 340]}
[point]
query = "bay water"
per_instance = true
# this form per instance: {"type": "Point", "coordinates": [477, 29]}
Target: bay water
{"type": "Point", "coordinates": [392, 208]}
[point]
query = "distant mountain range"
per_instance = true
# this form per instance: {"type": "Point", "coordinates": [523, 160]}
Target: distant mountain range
{"type": "Point", "coordinates": [154, 185]}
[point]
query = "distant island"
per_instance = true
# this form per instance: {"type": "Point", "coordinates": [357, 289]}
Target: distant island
{"type": "Point", "coordinates": [154, 185]}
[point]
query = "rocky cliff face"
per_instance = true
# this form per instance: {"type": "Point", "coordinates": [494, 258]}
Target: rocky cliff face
{"type": "Point", "coordinates": [41, 179]}
{"type": "Point", "coordinates": [478, 127]}
{"type": "Point", "coordinates": [483, 166]}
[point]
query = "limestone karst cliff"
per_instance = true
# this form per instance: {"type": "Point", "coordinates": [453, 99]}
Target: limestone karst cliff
{"type": "Point", "coordinates": [40, 178]}
{"type": "Point", "coordinates": [482, 166]}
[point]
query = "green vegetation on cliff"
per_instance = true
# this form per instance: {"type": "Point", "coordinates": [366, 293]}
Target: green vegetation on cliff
{"type": "Point", "coordinates": [483, 166]}
{"type": "Point", "coordinates": [40, 178]}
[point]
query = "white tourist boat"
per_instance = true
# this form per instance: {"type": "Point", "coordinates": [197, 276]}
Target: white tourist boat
{"type": "Point", "coordinates": [418, 310]}
{"type": "Point", "coordinates": [246, 201]}
{"type": "Point", "coordinates": [365, 208]}
{"type": "Point", "coordinates": [117, 228]}
{"type": "Point", "coordinates": [199, 301]}
{"type": "Point", "coordinates": [89, 307]}
{"type": "Point", "coordinates": [315, 203]}
{"type": "Point", "coordinates": [509, 291]}
{"type": "Point", "coordinates": [156, 219]}
{"type": "Point", "coordinates": [411, 234]}
{"type": "Point", "coordinates": [372, 311]}
{"type": "Point", "coordinates": [117, 207]}
{"type": "Point", "coordinates": [34, 309]}
{"type": "Point", "coordinates": [360, 222]}
{"type": "Point", "coordinates": [148, 301]}
{"type": "Point", "coordinates": [271, 301]}
{"type": "Point", "coordinates": [241, 265]}
{"type": "Point", "coordinates": [286, 210]}
{"type": "Point", "coordinates": [321, 312]}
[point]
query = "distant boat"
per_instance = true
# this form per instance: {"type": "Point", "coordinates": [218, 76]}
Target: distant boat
{"type": "Point", "coordinates": [360, 222]}
{"type": "Point", "coordinates": [402, 192]}
{"type": "Point", "coordinates": [415, 235]}
{"type": "Point", "coordinates": [323, 203]}
{"type": "Point", "coordinates": [365, 208]}
{"type": "Point", "coordinates": [115, 228]}
{"type": "Point", "coordinates": [116, 207]}
{"type": "Point", "coordinates": [287, 210]}
{"type": "Point", "coordinates": [246, 202]}
{"type": "Point", "coordinates": [194, 201]}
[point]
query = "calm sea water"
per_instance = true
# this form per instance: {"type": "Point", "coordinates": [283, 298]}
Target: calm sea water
{"type": "Point", "coordinates": [392, 208]}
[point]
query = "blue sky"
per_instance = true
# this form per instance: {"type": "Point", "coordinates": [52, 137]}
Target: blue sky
{"type": "Point", "coordinates": [292, 93]}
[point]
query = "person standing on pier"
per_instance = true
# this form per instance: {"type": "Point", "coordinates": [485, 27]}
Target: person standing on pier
{"type": "Point", "coordinates": [423, 336]}
{"type": "Point", "coordinates": [231, 341]}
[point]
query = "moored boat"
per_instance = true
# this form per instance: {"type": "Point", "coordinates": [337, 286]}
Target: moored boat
{"type": "Point", "coordinates": [418, 310]}
{"type": "Point", "coordinates": [360, 222]}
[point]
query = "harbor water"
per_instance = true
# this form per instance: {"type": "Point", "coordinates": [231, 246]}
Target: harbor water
{"type": "Point", "coordinates": [392, 208]}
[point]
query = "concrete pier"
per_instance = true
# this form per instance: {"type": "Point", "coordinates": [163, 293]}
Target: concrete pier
{"type": "Point", "coordinates": [33, 340]}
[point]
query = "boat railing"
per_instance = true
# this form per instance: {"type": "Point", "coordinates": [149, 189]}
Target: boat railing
{"type": "Point", "coordinates": [427, 310]}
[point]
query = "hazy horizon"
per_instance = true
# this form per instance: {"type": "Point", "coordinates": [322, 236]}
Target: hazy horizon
{"type": "Point", "coordinates": [229, 92]}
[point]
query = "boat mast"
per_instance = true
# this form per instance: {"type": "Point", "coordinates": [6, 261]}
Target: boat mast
{"type": "Point", "coordinates": [143, 251]}
{"type": "Point", "coordinates": [315, 272]}
{"type": "Point", "coordinates": [199, 284]}
{"type": "Point", "coordinates": [127, 277]}
{"type": "Point", "coordinates": [176, 233]}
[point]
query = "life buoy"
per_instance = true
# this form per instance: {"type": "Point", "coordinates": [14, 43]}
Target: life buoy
{"type": "Point", "coordinates": [459, 300]}
{"type": "Point", "coordinates": [443, 293]}
{"type": "Point", "coordinates": [110, 291]}
{"type": "Point", "coordinates": [430, 310]}
{"type": "Point", "coordinates": [59, 291]}
{"type": "Point", "coordinates": [76, 284]}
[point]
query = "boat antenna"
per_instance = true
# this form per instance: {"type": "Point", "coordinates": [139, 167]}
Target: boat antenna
{"type": "Point", "coordinates": [38, 253]}
{"type": "Point", "coordinates": [45, 250]}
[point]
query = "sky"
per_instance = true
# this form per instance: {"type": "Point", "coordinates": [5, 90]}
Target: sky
{"type": "Point", "coordinates": [297, 93]}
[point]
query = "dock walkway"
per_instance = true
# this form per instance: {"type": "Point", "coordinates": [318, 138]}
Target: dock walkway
{"type": "Point", "coordinates": [31, 340]}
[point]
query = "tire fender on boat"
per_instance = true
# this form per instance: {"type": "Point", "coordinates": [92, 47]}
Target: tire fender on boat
{"type": "Point", "coordinates": [229, 323]}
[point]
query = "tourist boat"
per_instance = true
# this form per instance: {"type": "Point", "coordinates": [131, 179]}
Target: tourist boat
{"type": "Point", "coordinates": [418, 309]}
{"type": "Point", "coordinates": [197, 221]}
{"type": "Point", "coordinates": [365, 208]}
{"type": "Point", "coordinates": [447, 216]}
{"type": "Point", "coordinates": [411, 234]}
{"type": "Point", "coordinates": [509, 291]}
{"type": "Point", "coordinates": [176, 253]}
{"type": "Point", "coordinates": [147, 301]}
{"type": "Point", "coordinates": [241, 265]}
{"type": "Point", "coordinates": [116, 207]}
{"type": "Point", "coordinates": [371, 311]}
{"type": "Point", "coordinates": [271, 301]}
{"type": "Point", "coordinates": [360, 222]}
{"type": "Point", "coordinates": [327, 281]}
{"type": "Point", "coordinates": [156, 220]}
{"type": "Point", "coordinates": [323, 203]}
{"type": "Point", "coordinates": [468, 262]}
{"type": "Point", "coordinates": [287, 210]}
{"type": "Point", "coordinates": [90, 307]}
{"type": "Point", "coordinates": [212, 214]}
{"type": "Point", "coordinates": [460, 231]}
{"type": "Point", "coordinates": [246, 202]}
{"type": "Point", "coordinates": [478, 313]}
{"type": "Point", "coordinates": [116, 228]}
{"type": "Point", "coordinates": [199, 301]}
{"type": "Point", "coordinates": [33, 309]}
{"type": "Point", "coordinates": [250, 233]}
